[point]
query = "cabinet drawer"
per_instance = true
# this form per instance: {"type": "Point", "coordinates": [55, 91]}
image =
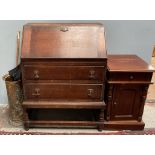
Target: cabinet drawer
{"type": "Point", "coordinates": [129, 76]}
{"type": "Point", "coordinates": [63, 91]}
{"type": "Point", "coordinates": [63, 73]}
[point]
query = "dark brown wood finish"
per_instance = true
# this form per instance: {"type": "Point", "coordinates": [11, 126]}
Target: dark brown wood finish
{"type": "Point", "coordinates": [130, 76]}
{"type": "Point", "coordinates": [63, 104]}
{"type": "Point", "coordinates": [128, 79]}
{"type": "Point", "coordinates": [126, 102]}
{"type": "Point", "coordinates": [63, 91]}
{"type": "Point", "coordinates": [42, 72]}
{"type": "Point", "coordinates": [63, 41]}
{"type": "Point", "coordinates": [63, 66]}
{"type": "Point", "coordinates": [124, 125]}
{"type": "Point", "coordinates": [128, 63]}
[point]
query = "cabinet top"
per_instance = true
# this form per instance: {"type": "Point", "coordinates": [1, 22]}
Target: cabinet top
{"type": "Point", "coordinates": [128, 63]}
{"type": "Point", "coordinates": [63, 40]}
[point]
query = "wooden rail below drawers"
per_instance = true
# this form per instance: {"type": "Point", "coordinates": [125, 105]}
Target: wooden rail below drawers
{"type": "Point", "coordinates": [63, 105]}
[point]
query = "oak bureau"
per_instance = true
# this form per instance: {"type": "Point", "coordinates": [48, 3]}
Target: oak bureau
{"type": "Point", "coordinates": [63, 75]}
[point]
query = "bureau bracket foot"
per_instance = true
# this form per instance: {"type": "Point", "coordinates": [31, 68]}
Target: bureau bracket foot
{"type": "Point", "coordinates": [100, 128]}
{"type": "Point", "coordinates": [26, 126]}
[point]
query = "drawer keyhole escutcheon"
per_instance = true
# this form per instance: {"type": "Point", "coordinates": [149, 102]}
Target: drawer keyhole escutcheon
{"type": "Point", "coordinates": [90, 92]}
{"type": "Point", "coordinates": [36, 74]}
{"type": "Point", "coordinates": [92, 74]}
{"type": "Point", "coordinates": [36, 92]}
{"type": "Point", "coordinates": [64, 29]}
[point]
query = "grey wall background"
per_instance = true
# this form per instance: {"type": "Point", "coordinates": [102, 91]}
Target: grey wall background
{"type": "Point", "coordinates": [122, 37]}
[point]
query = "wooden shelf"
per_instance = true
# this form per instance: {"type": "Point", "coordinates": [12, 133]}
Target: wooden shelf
{"type": "Point", "coordinates": [63, 123]}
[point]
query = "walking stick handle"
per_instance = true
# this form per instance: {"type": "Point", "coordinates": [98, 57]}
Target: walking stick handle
{"type": "Point", "coordinates": [18, 48]}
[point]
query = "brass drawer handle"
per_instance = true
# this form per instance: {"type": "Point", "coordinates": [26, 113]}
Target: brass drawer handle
{"type": "Point", "coordinates": [36, 74]}
{"type": "Point", "coordinates": [90, 92]}
{"type": "Point", "coordinates": [36, 92]}
{"type": "Point", "coordinates": [92, 74]}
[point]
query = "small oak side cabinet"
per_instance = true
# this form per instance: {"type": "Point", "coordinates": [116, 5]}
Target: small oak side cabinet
{"type": "Point", "coordinates": [128, 79]}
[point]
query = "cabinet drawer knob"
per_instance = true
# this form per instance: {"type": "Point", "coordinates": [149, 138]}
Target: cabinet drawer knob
{"type": "Point", "coordinates": [92, 74]}
{"type": "Point", "coordinates": [90, 92]}
{"type": "Point", "coordinates": [36, 74]}
{"type": "Point", "coordinates": [36, 92]}
{"type": "Point", "coordinates": [115, 103]}
{"type": "Point", "coordinates": [131, 77]}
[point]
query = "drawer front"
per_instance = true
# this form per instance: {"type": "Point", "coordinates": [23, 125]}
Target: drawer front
{"type": "Point", "coordinates": [63, 73]}
{"type": "Point", "coordinates": [129, 76]}
{"type": "Point", "coordinates": [63, 91]}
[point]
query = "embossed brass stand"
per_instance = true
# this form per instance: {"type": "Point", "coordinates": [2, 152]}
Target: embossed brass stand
{"type": "Point", "coordinates": [15, 94]}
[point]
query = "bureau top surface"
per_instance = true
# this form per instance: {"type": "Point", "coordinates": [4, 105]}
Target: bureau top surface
{"type": "Point", "coordinates": [67, 40]}
{"type": "Point", "coordinates": [128, 63]}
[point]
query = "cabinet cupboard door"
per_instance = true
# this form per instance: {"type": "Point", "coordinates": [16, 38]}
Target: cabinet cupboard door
{"type": "Point", "coordinates": [126, 102]}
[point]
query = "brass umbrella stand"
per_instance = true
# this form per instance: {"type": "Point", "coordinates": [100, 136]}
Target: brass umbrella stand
{"type": "Point", "coordinates": [14, 91]}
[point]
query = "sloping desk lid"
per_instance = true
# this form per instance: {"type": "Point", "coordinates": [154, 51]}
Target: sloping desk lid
{"type": "Point", "coordinates": [67, 40]}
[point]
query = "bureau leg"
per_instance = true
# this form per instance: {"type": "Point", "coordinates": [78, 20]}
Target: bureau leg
{"type": "Point", "coordinates": [26, 126]}
{"type": "Point", "coordinates": [101, 120]}
{"type": "Point", "coordinates": [26, 119]}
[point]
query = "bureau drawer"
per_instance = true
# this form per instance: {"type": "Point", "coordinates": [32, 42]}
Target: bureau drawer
{"type": "Point", "coordinates": [63, 72]}
{"type": "Point", "coordinates": [63, 91]}
{"type": "Point", "coordinates": [129, 76]}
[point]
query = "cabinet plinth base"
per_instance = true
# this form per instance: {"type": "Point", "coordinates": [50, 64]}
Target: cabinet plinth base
{"type": "Point", "coordinates": [123, 125]}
